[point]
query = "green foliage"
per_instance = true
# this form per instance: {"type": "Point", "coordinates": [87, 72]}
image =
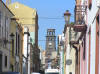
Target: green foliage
{"type": "Point", "coordinates": [72, 23]}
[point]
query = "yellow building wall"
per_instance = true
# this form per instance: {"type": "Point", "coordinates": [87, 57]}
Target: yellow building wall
{"type": "Point", "coordinates": [12, 30]}
{"type": "Point", "coordinates": [21, 33]}
{"type": "Point", "coordinates": [26, 17]}
{"type": "Point", "coordinates": [25, 14]}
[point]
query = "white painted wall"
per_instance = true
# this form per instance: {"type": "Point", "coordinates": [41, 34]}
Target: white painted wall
{"type": "Point", "coordinates": [61, 62]}
{"type": "Point", "coordinates": [26, 65]}
{"type": "Point", "coordinates": [25, 44]}
{"type": "Point", "coordinates": [61, 38]}
{"type": "Point", "coordinates": [87, 50]}
{"type": "Point", "coordinates": [92, 22]}
{"type": "Point", "coordinates": [99, 42]}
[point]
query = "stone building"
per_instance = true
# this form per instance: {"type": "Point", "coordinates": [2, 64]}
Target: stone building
{"type": "Point", "coordinates": [50, 47]}
{"type": "Point", "coordinates": [29, 20]}
{"type": "Point", "coordinates": [5, 18]}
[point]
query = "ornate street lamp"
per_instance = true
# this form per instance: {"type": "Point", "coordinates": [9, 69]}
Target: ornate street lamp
{"type": "Point", "coordinates": [12, 36]}
{"type": "Point", "coordinates": [67, 15]}
{"type": "Point", "coordinates": [12, 40]}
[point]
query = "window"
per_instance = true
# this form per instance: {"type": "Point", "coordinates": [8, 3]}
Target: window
{"type": "Point", "coordinates": [12, 47]}
{"type": "Point", "coordinates": [2, 32]}
{"type": "Point", "coordinates": [11, 66]}
{"type": "Point", "coordinates": [7, 33]}
{"type": "Point", "coordinates": [49, 39]}
{"type": "Point", "coordinates": [97, 19]}
{"type": "Point", "coordinates": [5, 61]}
{"type": "Point", "coordinates": [84, 47]}
{"type": "Point", "coordinates": [0, 23]}
{"type": "Point", "coordinates": [16, 43]}
{"type": "Point", "coordinates": [5, 30]}
{"type": "Point", "coordinates": [31, 40]}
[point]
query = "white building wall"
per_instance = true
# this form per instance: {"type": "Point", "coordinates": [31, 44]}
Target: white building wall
{"type": "Point", "coordinates": [29, 47]}
{"type": "Point", "coordinates": [87, 50]}
{"type": "Point", "coordinates": [26, 51]}
{"type": "Point", "coordinates": [61, 62]}
{"type": "Point", "coordinates": [99, 49]}
{"type": "Point", "coordinates": [25, 44]}
{"type": "Point", "coordinates": [61, 38]}
{"type": "Point", "coordinates": [92, 22]}
{"type": "Point", "coordinates": [99, 42]}
{"type": "Point", "coordinates": [93, 46]}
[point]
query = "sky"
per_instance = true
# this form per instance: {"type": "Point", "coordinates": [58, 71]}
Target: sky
{"type": "Point", "coordinates": [46, 10]}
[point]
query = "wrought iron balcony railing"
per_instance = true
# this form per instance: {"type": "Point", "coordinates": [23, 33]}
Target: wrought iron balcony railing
{"type": "Point", "coordinates": [80, 12]}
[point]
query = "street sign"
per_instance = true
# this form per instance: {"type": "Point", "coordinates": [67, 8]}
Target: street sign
{"type": "Point", "coordinates": [69, 62]}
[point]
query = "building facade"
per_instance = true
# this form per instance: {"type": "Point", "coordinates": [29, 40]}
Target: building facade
{"type": "Point", "coordinates": [31, 21]}
{"type": "Point", "coordinates": [87, 23]}
{"type": "Point", "coordinates": [16, 46]}
{"type": "Point", "coordinates": [69, 50]}
{"type": "Point", "coordinates": [93, 38]}
{"type": "Point", "coordinates": [5, 18]}
{"type": "Point", "coordinates": [61, 40]}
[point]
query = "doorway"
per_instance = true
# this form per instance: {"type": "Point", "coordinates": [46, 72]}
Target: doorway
{"type": "Point", "coordinates": [0, 62]}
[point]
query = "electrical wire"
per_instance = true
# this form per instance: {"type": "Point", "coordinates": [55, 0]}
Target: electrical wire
{"type": "Point", "coordinates": [45, 40]}
{"type": "Point", "coordinates": [54, 18]}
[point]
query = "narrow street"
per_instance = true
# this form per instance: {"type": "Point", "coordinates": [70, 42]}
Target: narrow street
{"type": "Point", "coordinates": [49, 36]}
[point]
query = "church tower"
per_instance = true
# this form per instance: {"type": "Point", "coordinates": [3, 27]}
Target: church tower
{"type": "Point", "coordinates": [50, 46]}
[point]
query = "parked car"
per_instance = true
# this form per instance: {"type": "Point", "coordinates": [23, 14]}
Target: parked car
{"type": "Point", "coordinates": [35, 73]}
{"type": "Point", "coordinates": [9, 73]}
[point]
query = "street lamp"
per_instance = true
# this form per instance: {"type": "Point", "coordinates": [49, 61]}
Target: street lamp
{"type": "Point", "coordinates": [12, 42]}
{"type": "Point", "coordinates": [67, 15]}
{"type": "Point", "coordinates": [12, 38]}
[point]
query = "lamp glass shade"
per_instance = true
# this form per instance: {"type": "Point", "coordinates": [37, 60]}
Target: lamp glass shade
{"type": "Point", "coordinates": [67, 16]}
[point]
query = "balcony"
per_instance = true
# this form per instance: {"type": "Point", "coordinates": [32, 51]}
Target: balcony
{"type": "Point", "coordinates": [80, 25]}
{"type": "Point", "coordinates": [80, 28]}
{"type": "Point", "coordinates": [74, 42]}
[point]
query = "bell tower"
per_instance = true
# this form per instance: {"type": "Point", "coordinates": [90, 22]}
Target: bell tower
{"type": "Point", "coordinates": [50, 46]}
